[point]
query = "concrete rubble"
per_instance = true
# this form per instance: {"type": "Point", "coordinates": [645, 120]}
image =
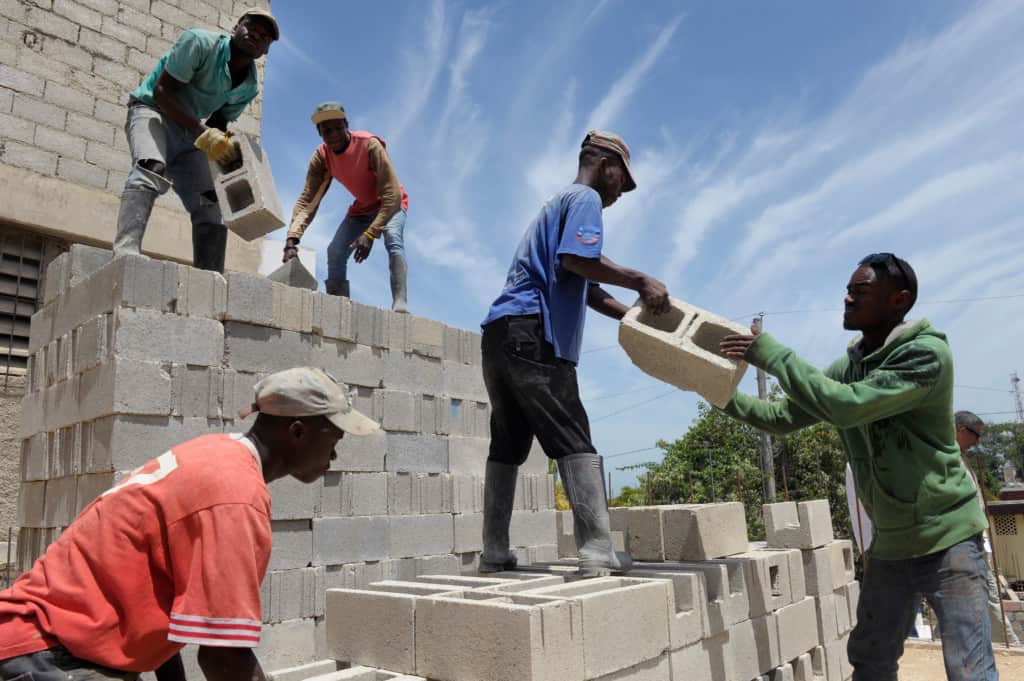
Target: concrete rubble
{"type": "Point", "coordinates": [373, 571]}
{"type": "Point", "coordinates": [680, 348]}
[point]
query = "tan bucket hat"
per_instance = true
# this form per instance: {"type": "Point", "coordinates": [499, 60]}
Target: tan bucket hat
{"type": "Point", "coordinates": [612, 142]}
{"type": "Point", "coordinates": [307, 391]}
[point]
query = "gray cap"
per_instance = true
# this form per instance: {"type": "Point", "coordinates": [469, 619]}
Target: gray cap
{"type": "Point", "coordinates": [307, 391]}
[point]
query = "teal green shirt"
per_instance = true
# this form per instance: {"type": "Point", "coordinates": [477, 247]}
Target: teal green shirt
{"type": "Point", "coordinates": [200, 60]}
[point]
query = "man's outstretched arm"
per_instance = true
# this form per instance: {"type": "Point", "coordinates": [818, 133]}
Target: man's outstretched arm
{"type": "Point", "coordinates": [603, 270]}
{"type": "Point", "coordinates": [777, 417]}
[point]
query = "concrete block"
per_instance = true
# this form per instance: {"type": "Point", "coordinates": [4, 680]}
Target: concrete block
{"type": "Point", "coordinates": [852, 600]}
{"type": "Point", "coordinates": [825, 617]}
{"type": "Point", "coordinates": [710, 659]}
{"type": "Point", "coordinates": [293, 544]}
{"type": "Point", "coordinates": [802, 668]}
{"type": "Point", "coordinates": [843, 567]}
{"type": "Point", "coordinates": [467, 493]}
{"type": "Point", "coordinates": [504, 638]}
{"type": "Point", "coordinates": [332, 316]}
{"type": "Point", "coordinates": [92, 342]}
{"type": "Point", "coordinates": [352, 575]}
{"type": "Point", "coordinates": [611, 605]}
{"type": "Point", "coordinates": [768, 580]}
{"type": "Point", "coordinates": [726, 589]}
{"type": "Point", "coordinates": [420, 535]}
{"type": "Point", "coordinates": [304, 671]}
{"type": "Point", "coordinates": [413, 373]}
{"type": "Point", "coordinates": [351, 540]}
{"type": "Point", "coordinates": [361, 453]}
{"type": "Point", "coordinates": [681, 348]}
{"type": "Point", "coordinates": [464, 381]}
{"type": "Point", "coordinates": [468, 532]}
{"type": "Point", "coordinates": [32, 504]}
{"type": "Point", "coordinates": [260, 349]}
{"type": "Point", "coordinates": [199, 391]}
{"type": "Point", "coordinates": [687, 532]}
{"type": "Point", "coordinates": [688, 618]}
{"type": "Point", "coordinates": [397, 328]}
{"type": "Point", "coordinates": [426, 337]}
{"type": "Point", "coordinates": [565, 534]}
{"type": "Point", "coordinates": [797, 629]}
{"type": "Point", "coordinates": [250, 298]}
{"type": "Point", "coordinates": [445, 564]}
{"type": "Point", "coordinates": [416, 453]}
{"type": "Point", "coordinates": [353, 494]}
{"type": "Point", "coordinates": [655, 669]}
{"type": "Point", "coordinates": [842, 608]}
{"type": "Point", "coordinates": [201, 293]}
{"type": "Point", "coordinates": [89, 488]}
{"type": "Point", "coordinates": [383, 634]}
{"type": "Point", "coordinates": [755, 647]}
{"type": "Point", "coordinates": [797, 580]}
{"type": "Point", "coordinates": [287, 644]}
{"type": "Point", "coordinates": [292, 499]}
{"type": "Point", "coordinates": [468, 455]}
{"type": "Point", "coordinates": [353, 364]}
{"type": "Point", "coordinates": [531, 528]}
{"type": "Point", "coordinates": [829, 660]}
{"type": "Point", "coordinates": [186, 340]}
{"type": "Point", "coordinates": [804, 525]}
{"type": "Point", "coordinates": [398, 410]}
{"type": "Point", "coordinates": [71, 268]}
{"type": "Point", "coordinates": [35, 458]}
{"type": "Point", "coordinates": [293, 273]}
{"type": "Point", "coordinates": [817, 564]}
{"type": "Point", "coordinates": [246, 192]}
{"type": "Point", "coordinates": [293, 308]}
{"type": "Point", "coordinates": [293, 594]}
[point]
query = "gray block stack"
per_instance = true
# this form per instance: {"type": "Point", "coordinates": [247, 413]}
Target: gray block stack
{"type": "Point", "coordinates": [132, 356]}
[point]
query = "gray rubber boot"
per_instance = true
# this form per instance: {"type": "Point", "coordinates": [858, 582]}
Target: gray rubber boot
{"type": "Point", "coordinates": [499, 496]}
{"type": "Point", "coordinates": [399, 275]}
{"type": "Point", "coordinates": [336, 287]}
{"type": "Point", "coordinates": [136, 206]}
{"type": "Point", "coordinates": [583, 479]}
{"type": "Point", "coordinates": [209, 242]}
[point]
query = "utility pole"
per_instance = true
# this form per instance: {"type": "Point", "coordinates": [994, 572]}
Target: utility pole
{"type": "Point", "coordinates": [764, 443]}
{"type": "Point", "coordinates": [1019, 408]}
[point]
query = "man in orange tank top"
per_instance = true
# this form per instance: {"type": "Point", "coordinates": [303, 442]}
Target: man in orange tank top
{"type": "Point", "coordinates": [359, 161]}
{"type": "Point", "coordinates": [175, 553]}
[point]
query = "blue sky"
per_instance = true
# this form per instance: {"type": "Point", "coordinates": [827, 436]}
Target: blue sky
{"type": "Point", "coordinates": [774, 145]}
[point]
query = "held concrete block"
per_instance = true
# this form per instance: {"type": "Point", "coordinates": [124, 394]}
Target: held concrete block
{"type": "Point", "coordinates": [612, 605]}
{"type": "Point", "coordinates": [499, 638]}
{"type": "Point", "coordinates": [293, 273]}
{"type": "Point", "coordinates": [797, 627]}
{"type": "Point", "coordinates": [804, 525]}
{"type": "Point", "coordinates": [687, 532]}
{"type": "Point", "coordinates": [420, 535]}
{"type": "Point", "coordinates": [755, 647]}
{"type": "Point", "coordinates": [769, 585]}
{"type": "Point", "coordinates": [246, 192]}
{"type": "Point", "coordinates": [350, 540]}
{"type": "Point", "coordinates": [293, 544]}
{"type": "Point", "coordinates": [681, 348]}
{"type": "Point", "coordinates": [709, 659]}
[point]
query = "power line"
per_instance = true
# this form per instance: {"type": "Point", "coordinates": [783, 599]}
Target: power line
{"type": "Point", "coordinates": [920, 302]}
{"type": "Point", "coordinates": [634, 405]}
{"type": "Point", "coordinates": [631, 451]}
{"type": "Point", "coordinates": [603, 347]}
{"type": "Point", "coordinates": [609, 396]}
{"type": "Point", "coordinates": [976, 387]}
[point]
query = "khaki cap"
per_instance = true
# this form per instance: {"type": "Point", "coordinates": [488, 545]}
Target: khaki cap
{"type": "Point", "coordinates": [328, 111]}
{"type": "Point", "coordinates": [265, 14]}
{"type": "Point", "coordinates": [306, 391]}
{"type": "Point", "coordinates": [612, 142]}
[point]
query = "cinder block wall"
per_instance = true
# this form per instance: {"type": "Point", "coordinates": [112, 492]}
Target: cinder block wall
{"type": "Point", "coordinates": [142, 354]}
{"type": "Point", "coordinates": [66, 68]}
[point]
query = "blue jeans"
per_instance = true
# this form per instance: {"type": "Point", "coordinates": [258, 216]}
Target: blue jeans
{"type": "Point", "coordinates": [340, 249]}
{"type": "Point", "coordinates": [953, 582]}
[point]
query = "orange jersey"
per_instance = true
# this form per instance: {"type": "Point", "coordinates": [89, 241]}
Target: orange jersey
{"type": "Point", "coordinates": [174, 554]}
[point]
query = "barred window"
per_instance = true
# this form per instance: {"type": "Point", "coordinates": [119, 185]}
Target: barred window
{"type": "Point", "coordinates": [23, 256]}
{"type": "Point", "coordinates": [1004, 525]}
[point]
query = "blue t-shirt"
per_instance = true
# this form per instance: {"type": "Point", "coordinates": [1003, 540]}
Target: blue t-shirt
{"type": "Point", "coordinates": [570, 222]}
{"type": "Point", "coordinates": [200, 59]}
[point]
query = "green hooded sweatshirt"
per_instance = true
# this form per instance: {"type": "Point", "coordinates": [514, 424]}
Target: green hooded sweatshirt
{"type": "Point", "coordinates": [894, 412]}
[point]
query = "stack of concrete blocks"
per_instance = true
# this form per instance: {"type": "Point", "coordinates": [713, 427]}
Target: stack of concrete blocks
{"type": "Point", "coordinates": [829, 576]}
{"type": "Point", "coordinates": [743, 610]}
{"type": "Point", "coordinates": [680, 347]}
{"type": "Point", "coordinates": [132, 356]}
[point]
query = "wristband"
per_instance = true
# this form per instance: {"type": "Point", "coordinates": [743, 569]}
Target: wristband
{"type": "Point", "coordinates": [369, 235]}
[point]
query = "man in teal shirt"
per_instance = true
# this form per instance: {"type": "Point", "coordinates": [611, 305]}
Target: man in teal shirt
{"type": "Point", "coordinates": [205, 76]}
{"type": "Point", "coordinates": [891, 397]}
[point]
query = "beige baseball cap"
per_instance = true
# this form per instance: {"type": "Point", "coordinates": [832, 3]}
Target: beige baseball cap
{"type": "Point", "coordinates": [264, 14]}
{"type": "Point", "coordinates": [328, 111]}
{"type": "Point", "coordinates": [612, 142]}
{"type": "Point", "coordinates": [307, 391]}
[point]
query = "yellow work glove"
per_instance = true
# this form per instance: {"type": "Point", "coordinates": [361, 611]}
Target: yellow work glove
{"type": "Point", "coordinates": [217, 145]}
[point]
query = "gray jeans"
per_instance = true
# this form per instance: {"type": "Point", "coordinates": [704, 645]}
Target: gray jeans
{"type": "Point", "coordinates": [151, 136]}
{"type": "Point", "coordinates": [57, 664]}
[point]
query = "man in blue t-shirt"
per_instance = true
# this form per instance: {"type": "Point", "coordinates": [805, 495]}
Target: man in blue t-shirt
{"type": "Point", "coordinates": [531, 345]}
{"type": "Point", "coordinates": [205, 76]}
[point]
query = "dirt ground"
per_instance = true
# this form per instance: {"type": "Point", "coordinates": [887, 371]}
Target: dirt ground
{"type": "Point", "coordinates": [925, 664]}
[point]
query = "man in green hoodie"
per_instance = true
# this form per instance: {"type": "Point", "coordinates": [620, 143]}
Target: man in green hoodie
{"type": "Point", "coordinates": [891, 397]}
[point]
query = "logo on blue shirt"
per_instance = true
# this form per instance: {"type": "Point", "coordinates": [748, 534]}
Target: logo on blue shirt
{"type": "Point", "coordinates": [588, 234]}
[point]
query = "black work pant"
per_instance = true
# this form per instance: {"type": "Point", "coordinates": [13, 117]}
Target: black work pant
{"type": "Point", "coordinates": [57, 664]}
{"type": "Point", "coordinates": [532, 393]}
